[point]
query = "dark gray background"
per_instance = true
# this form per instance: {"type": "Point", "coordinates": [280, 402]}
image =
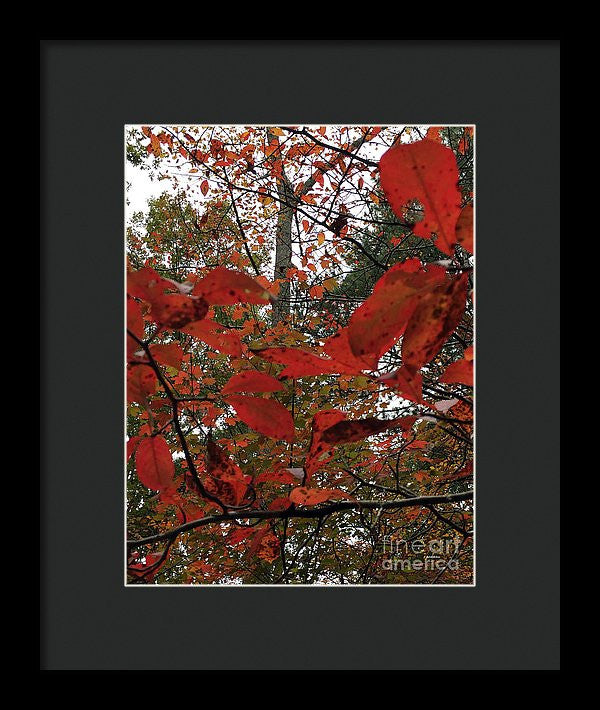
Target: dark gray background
{"type": "Point", "coordinates": [511, 91]}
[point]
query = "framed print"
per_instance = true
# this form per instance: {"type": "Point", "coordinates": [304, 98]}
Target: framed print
{"type": "Point", "coordinates": [300, 336]}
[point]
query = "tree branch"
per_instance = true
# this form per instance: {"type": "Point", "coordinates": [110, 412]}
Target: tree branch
{"type": "Point", "coordinates": [293, 512]}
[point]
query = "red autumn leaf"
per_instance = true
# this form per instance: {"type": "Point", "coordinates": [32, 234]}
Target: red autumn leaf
{"type": "Point", "coordinates": [338, 348]}
{"type": "Point", "coordinates": [425, 171]}
{"type": "Point", "coordinates": [204, 187]}
{"type": "Point", "coordinates": [252, 381]}
{"type": "Point", "coordinates": [132, 445]}
{"type": "Point", "coordinates": [225, 479]}
{"type": "Point", "coordinates": [266, 416]}
{"type": "Point", "coordinates": [301, 363]}
{"type": "Point", "coordinates": [147, 284]}
{"type": "Point", "coordinates": [313, 496]}
{"type": "Point", "coordinates": [170, 354]}
{"type": "Point", "coordinates": [460, 372]}
{"type": "Point", "coordinates": [464, 228]}
{"type": "Point", "coordinates": [407, 381]}
{"type": "Point", "coordinates": [281, 503]}
{"type": "Point", "coordinates": [135, 323]}
{"type": "Point", "coordinates": [174, 310]}
{"type": "Point", "coordinates": [318, 452]}
{"type": "Point", "coordinates": [265, 545]}
{"type": "Point", "coordinates": [154, 464]}
{"type": "Point", "coordinates": [378, 323]}
{"type": "Point", "coordinates": [435, 317]}
{"type": "Point", "coordinates": [468, 354]}
{"type": "Point", "coordinates": [216, 336]}
{"type": "Point", "coordinates": [224, 287]}
{"type": "Point", "coordinates": [350, 430]}
{"type": "Point", "coordinates": [141, 383]}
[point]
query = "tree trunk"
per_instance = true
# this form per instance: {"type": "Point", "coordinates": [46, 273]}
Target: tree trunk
{"type": "Point", "coordinates": [283, 248]}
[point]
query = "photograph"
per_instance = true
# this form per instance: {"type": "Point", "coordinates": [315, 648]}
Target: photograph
{"type": "Point", "coordinates": [299, 355]}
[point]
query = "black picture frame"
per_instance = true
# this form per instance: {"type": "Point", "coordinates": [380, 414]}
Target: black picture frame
{"type": "Point", "coordinates": [510, 90]}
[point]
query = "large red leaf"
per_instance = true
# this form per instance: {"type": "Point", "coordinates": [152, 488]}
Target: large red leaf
{"type": "Point", "coordinates": [171, 304]}
{"type": "Point", "coordinates": [425, 171]}
{"type": "Point", "coordinates": [223, 287]}
{"type": "Point", "coordinates": [154, 463]}
{"type": "Point", "coordinates": [378, 323]}
{"type": "Point", "coordinates": [301, 363]}
{"type": "Point", "coordinates": [170, 354]}
{"type": "Point", "coordinates": [252, 381]}
{"type": "Point", "coordinates": [266, 416]}
{"type": "Point", "coordinates": [141, 383]}
{"type": "Point", "coordinates": [174, 310]}
{"type": "Point", "coordinates": [460, 371]}
{"type": "Point", "coordinates": [147, 284]}
{"type": "Point", "coordinates": [338, 348]}
{"type": "Point", "coordinates": [216, 336]}
{"type": "Point", "coordinates": [437, 314]}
